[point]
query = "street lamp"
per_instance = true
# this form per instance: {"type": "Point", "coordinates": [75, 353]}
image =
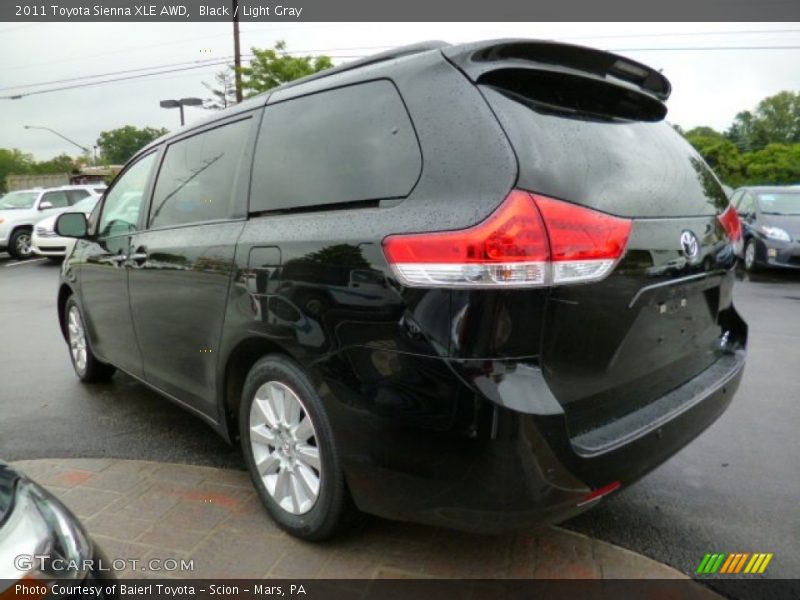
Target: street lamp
{"type": "Point", "coordinates": [180, 104]}
{"type": "Point", "coordinates": [63, 137]}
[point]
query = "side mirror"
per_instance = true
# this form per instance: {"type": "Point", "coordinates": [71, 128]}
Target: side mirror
{"type": "Point", "coordinates": [72, 225]}
{"type": "Point", "coordinates": [45, 204]}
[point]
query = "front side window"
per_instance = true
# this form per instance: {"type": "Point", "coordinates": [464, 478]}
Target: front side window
{"type": "Point", "coordinates": [197, 179]}
{"type": "Point", "coordinates": [124, 201]}
{"type": "Point", "coordinates": [747, 206]}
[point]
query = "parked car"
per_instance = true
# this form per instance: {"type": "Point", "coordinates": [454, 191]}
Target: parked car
{"type": "Point", "coordinates": [513, 278]}
{"type": "Point", "coordinates": [46, 242]}
{"type": "Point", "coordinates": [771, 221]}
{"type": "Point", "coordinates": [20, 210]}
{"type": "Point", "coordinates": [41, 543]}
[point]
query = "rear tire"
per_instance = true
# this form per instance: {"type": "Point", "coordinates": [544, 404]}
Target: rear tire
{"type": "Point", "coordinates": [750, 254]}
{"type": "Point", "coordinates": [19, 246]}
{"type": "Point", "coordinates": [289, 448]}
{"type": "Point", "coordinates": [87, 367]}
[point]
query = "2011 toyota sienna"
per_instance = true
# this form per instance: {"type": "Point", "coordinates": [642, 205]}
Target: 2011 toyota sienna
{"type": "Point", "coordinates": [479, 286]}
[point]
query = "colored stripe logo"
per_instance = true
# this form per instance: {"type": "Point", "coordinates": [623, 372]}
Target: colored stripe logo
{"type": "Point", "coordinates": [735, 563]}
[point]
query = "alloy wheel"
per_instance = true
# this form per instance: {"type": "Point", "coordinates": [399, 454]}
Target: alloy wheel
{"type": "Point", "coordinates": [77, 339]}
{"type": "Point", "coordinates": [23, 245]}
{"type": "Point", "coordinates": [749, 256]}
{"type": "Point", "coordinates": [284, 446]}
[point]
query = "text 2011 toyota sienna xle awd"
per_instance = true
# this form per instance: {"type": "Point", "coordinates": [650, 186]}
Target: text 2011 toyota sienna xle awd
{"type": "Point", "coordinates": [478, 286]}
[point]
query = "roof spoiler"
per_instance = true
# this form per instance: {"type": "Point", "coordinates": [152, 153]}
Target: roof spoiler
{"type": "Point", "coordinates": [482, 57]}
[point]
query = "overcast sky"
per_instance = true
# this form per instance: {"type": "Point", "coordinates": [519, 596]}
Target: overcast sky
{"type": "Point", "coordinates": [709, 86]}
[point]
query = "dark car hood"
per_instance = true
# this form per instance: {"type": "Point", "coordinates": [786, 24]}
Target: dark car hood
{"type": "Point", "coordinates": [8, 479]}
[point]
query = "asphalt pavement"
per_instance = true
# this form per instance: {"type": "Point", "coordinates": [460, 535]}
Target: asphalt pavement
{"type": "Point", "coordinates": [734, 489]}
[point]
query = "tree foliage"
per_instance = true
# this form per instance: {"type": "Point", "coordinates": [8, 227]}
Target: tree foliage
{"type": "Point", "coordinates": [275, 66]}
{"type": "Point", "coordinates": [118, 145]}
{"type": "Point", "coordinates": [760, 147]}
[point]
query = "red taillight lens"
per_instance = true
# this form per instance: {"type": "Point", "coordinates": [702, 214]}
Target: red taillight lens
{"type": "Point", "coordinates": [528, 241]}
{"type": "Point", "coordinates": [585, 244]}
{"type": "Point", "coordinates": [732, 225]}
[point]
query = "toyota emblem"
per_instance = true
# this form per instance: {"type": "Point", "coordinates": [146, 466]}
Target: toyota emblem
{"type": "Point", "coordinates": [690, 244]}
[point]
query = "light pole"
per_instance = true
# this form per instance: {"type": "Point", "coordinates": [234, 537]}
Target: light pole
{"type": "Point", "coordinates": [63, 137]}
{"type": "Point", "coordinates": [180, 104]}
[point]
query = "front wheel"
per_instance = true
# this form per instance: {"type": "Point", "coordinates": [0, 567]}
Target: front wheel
{"type": "Point", "coordinates": [87, 367]}
{"type": "Point", "coordinates": [290, 451]}
{"type": "Point", "coordinates": [750, 263]}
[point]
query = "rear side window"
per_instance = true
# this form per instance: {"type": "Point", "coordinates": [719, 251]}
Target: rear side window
{"type": "Point", "coordinates": [345, 145]}
{"type": "Point", "coordinates": [76, 196]}
{"type": "Point", "coordinates": [197, 179]}
{"type": "Point", "coordinates": [57, 199]}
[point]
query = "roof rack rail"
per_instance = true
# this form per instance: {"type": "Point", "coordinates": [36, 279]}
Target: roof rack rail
{"type": "Point", "coordinates": [369, 60]}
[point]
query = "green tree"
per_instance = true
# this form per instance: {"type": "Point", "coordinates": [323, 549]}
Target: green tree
{"type": "Point", "coordinates": [118, 145]}
{"type": "Point", "coordinates": [777, 164]}
{"type": "Point", "coordinates": [273, 67]}
{"type": "Point", "coordinates": [13, 162]}
{"type": "Point", "coordinates": [720, 153]}
{"type": "Point", "coordinates": [223, 91]}
{"type": "Point", "coordinates": [60, 164]}
{"type": "Point", "coordinates": [776, 120]}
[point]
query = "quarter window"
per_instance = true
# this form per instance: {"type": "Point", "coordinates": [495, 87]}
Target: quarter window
{"type": "Point", "coordinates": [197, 179]}
{"type": "Point", "coordinates": [124, 201]}
{"type": "Point", "coordinates": [343, 145]}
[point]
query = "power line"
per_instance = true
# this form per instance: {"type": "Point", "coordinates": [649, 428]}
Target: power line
{"type": "Point", "coordinates": [129, 77]}
{"type": "Point", "coordinates": [109, 74]}
{"type": "Point", "coordinates": [678, 34]}
{"type": "Point", "coordinates": [187, 62]}
{"type": "Point", "coordinates": [192, 65]}
{"type": "Point", "coordinates": [692, 48]}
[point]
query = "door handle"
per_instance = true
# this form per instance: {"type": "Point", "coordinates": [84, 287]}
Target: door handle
{"type": "Point", "coordinates": [140, 256]}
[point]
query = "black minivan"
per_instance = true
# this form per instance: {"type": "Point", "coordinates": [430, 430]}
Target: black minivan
{"type": "Point", "coordinates": [478, 286]}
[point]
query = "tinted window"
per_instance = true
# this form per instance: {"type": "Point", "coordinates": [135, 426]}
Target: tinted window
{"type": "Point", "coordinates": [344, 145]}
{"type": "Point", "coordinates": [57, 199]}
{"type": "Point", "coordinates": [124, 201]}
{"type": "Point", "coordinates": [622, 167]}
{"type": "Point", "coordinates": [197, 178]}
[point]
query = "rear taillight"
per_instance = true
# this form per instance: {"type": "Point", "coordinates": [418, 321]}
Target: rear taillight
{"type": "Point", "coordinates": [528, 241]}
{"type": "Point", "coordinates": [733, 226]}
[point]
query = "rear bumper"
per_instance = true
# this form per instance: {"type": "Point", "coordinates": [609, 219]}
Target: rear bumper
{"type": "Point", "coordinates": [492, 468]}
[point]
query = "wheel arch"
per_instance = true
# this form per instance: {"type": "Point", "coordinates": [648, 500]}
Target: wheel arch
{"type": "Point", "coordinates": [238, 364]}
{"type": "Point", "coordinates": [64, 293]}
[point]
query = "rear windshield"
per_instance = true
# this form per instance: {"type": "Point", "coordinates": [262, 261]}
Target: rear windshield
{"type": "Point", "coordinates": [780, 203]}
{"type": "Point", "coordinates": [623, 167]}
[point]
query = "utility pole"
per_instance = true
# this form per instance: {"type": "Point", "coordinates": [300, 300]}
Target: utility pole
{"type": "Point", "coordinates": [237, 52]}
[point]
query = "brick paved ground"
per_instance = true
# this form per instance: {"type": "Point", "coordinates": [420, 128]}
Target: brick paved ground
{"type": "Point", "coordinates": [143, 510]}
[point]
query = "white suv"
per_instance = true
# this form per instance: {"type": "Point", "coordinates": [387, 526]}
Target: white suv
{"type": "Point", "coordinates": [20, 210]}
